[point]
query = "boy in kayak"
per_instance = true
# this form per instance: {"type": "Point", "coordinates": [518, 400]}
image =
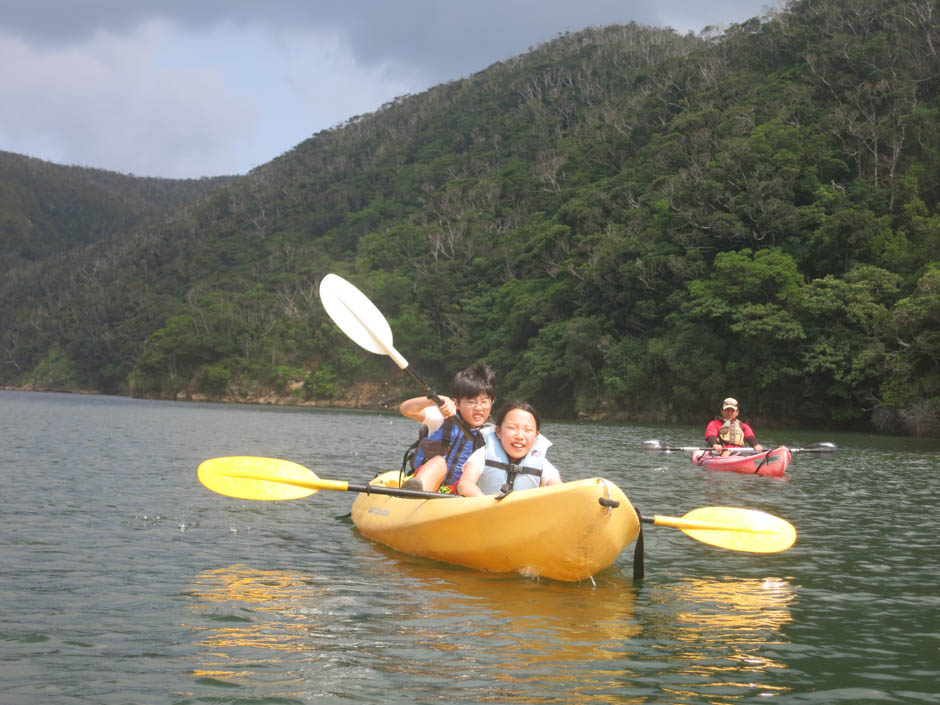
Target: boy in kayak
{"type": "Point", "coordinates": [440, 456]}
{"type": "Point", "coordinates": [512, 458]}
{"type": "Point", "coordinates": [727, 432]}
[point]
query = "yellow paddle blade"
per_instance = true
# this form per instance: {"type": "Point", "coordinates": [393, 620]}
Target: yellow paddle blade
{"type": "Point", "coordinates": [734, 528]}
{"type": "Point", "coordinates": [247, 477]}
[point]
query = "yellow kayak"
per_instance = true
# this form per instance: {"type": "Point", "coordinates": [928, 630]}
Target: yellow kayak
{"type": "Point", "coordinates": [564, 532]}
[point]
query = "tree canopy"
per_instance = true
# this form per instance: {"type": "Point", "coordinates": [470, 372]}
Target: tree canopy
{"type": "Point", "coordinates": [624, 221]}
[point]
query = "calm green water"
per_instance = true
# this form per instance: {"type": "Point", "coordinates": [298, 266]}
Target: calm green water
{"type": "Point", "coordinates": [125, 581]}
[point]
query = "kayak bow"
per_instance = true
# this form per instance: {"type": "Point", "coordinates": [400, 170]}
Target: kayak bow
{"type": "Point", "coordinates": [772, 463]}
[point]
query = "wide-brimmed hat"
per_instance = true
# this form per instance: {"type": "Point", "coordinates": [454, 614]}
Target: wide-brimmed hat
{"type": "Point", "coordinates": [729, 403]}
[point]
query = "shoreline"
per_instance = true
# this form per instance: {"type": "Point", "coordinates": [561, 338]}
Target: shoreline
{"type": "Point", "coordinates": [368, 397]}
{"type": "Point", "coordinates": [384, 396]}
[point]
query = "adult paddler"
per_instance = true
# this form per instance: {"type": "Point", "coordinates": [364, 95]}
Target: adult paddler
{"type": "Point", "coordinates": [727, 432]}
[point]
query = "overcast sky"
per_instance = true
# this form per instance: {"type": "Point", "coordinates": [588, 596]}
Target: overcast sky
{"type": "Point", "coordinates": [190, 88]}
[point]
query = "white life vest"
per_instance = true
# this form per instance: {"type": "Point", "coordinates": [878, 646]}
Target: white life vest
{"type": "Point", "coordinates": [527, 472]}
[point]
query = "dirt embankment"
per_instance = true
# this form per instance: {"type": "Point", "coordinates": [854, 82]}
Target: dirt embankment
{"type": "Point", "coordinates": [366, 395]}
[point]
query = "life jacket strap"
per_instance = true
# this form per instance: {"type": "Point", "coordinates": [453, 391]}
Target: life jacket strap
{"type": "Point", "coordinates": [475, 438]}
{"type": "Point", "coordinates": [511, 471]}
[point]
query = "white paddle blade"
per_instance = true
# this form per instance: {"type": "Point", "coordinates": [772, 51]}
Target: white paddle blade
{"type": "Point", "coordinates": [358, 317]}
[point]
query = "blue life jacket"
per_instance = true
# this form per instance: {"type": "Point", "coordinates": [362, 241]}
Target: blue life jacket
{"type": "Point", "coordinates": [451, 442]}
{"type": "Point", "coordinates": [500, 476]}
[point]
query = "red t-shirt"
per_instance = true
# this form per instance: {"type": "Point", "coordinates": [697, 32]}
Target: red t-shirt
{"type": "Point", "coordinates": [714, 426]}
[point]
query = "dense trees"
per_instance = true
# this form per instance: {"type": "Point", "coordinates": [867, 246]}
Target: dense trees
{"type": "Point", "coordinates": [46, 208]}
{"type": "Point", "coordinates": [623, 221]}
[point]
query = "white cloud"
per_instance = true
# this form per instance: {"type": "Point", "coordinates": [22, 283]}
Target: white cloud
{"type": "Point", "coordinates": [106, 104]}
{"type": "Point", "coordinates": [163, 101]}
{"type": "Point", "coordinates": [302, 81]}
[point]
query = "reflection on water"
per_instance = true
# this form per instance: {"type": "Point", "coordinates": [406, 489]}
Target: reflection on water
{"type": "Point", "coordinates": [98, 606]}
{"type": "Point", "coordinates": [491, 638]}
{"type": "Point", "coordinates": [242, 609]}
{"type": "Point", "coordinates": [729, 611]}
{"type": "Point", "coordinates": [520, 638]}
{"type": "Point", "coordinates": [502, 638]}
{"type": "Point", "coordinates": [722, 634]}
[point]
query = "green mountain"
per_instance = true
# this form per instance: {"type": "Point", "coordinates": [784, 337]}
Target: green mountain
{"type": "Point", "coordinates": [47, 208]}
{"type": "Point", "coordinates": [624, 222]}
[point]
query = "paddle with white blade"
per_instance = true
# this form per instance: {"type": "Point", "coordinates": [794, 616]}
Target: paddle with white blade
{"type": "Point", "coordinates": [657, 446]}
{"type": "Point", "coordinates": [359, 319]}
{"type": "Point", "coordinates": [271, 479]}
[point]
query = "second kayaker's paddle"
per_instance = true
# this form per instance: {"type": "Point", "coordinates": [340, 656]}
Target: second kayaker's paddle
{"type": "Point", "coordinates": [657, 446]}
{"type": "Point", "coordinates": [734, 528]}
{"type": "Point", "coordinates": [247, 477]}
{"type": "Point", "coordinates": [359, 319]}
{"type": "Point", "coordinates": [270, 479]}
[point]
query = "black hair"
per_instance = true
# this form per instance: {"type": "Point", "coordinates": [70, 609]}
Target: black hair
{"type": "Point", "coordinates": [518, 404]}
{"type": "Point", "coordinates": [472, 382]}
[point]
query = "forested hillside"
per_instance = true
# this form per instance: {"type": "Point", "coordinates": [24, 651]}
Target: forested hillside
{"type": "Point", "coordinates": [624, 222]}
{"type": "Point", "coordinates": [48, 208]}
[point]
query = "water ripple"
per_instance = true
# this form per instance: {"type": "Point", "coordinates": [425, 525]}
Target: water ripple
{"type": "Point", "coordinates": [126, 581]}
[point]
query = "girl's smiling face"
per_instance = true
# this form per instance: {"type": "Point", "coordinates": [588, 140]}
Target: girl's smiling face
{"type": "Point", "coordinates": [517, 433]}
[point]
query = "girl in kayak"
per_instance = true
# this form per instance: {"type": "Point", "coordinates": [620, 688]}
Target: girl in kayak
{"type": "Point", "coordinates": [728, 432]}
{"type": "Point", "coordinates": [513, 457]}
{"type": "Point", "coordinates": [445, 445]}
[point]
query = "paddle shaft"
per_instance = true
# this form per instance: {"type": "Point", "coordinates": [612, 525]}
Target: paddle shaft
{"type": "Point", "coordinates": [385, 346]}
{"type": "Point", "coordinates": [396, 492]}
{"type": "Point", "coordinates": [679, 523]}
{"type": "Point", "coordinates": [336, 485]}
{"type": "Point", "coordinates": [689, 449]}
{"type": "Point", "coordinates": [272, 479]}
{"type": "Point", "coordinates": [817, 448]}
{"type": "Point", "coordinates": [458, 419]}
{"type": "Point", "coordinates": [343, 486]}
{"type": "Point", "coordinates": [814, 449]}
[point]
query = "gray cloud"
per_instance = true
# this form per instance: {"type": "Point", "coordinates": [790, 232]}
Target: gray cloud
{"type": "Point", "coordinates": [443, 39]}
{"type": "Point", "coordinates": [197, 88]}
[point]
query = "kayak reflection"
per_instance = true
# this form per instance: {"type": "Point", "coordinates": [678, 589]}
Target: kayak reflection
{"type": "Point", "coordinates": [286, 633]}
{"type": "Point", "coordinates": [507, 638]}
{"type": "Point", "coordinates": [241, 610]}
{"type": "Point", "coordinates": [568, 618]}
{"type": "Point", "coordinates": [724, 634]}
{"type": "Point", "coordinates": [496, 637]}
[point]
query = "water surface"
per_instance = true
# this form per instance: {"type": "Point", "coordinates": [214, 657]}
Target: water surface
{"type": "Point", "coordinates": [126, 581]}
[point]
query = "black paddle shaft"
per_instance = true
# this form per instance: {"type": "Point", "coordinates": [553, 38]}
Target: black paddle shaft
{"type": "Point", "coordinates": [397, 492]}
{"type": "Point", "coordinates": [437, 400]}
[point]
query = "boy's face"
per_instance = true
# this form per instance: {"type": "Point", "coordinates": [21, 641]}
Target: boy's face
{"type": "Point", "coordinates": [475, 411]}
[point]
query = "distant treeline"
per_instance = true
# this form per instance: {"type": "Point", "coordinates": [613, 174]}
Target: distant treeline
{"type": "Point", "coordinates": [624, 222]}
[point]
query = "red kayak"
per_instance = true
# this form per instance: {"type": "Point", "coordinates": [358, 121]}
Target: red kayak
{"type": "Point", "coordinates": [770, 462]}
